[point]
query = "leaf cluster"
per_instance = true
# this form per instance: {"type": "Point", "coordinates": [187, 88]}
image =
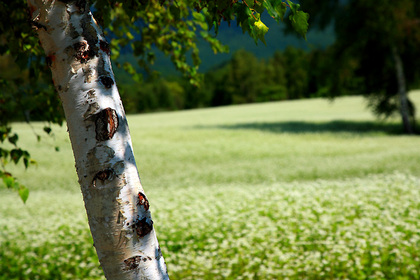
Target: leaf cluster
{"type": "Point", "coordinates": [175, 27]}
{"type": "Point", "coordinates": [247, 14]}
{"type": "Point", "coordinates": [15, 154]}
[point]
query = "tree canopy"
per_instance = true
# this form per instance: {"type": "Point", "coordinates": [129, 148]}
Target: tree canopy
{"type": "Point", "coordinates": [173, 27]}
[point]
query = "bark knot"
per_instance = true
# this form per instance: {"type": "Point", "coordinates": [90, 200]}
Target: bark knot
{"type": "Point", "coordinates": [36, 25]}
{"type": "Point", "coordinates": [143, 226]}
{"type": "Point", "coordinates": [103, 175]}
{"type": "Point", "coordinates": [107, 81]}
{"type": "Point", "coordinates": [106, 124]}
{"type": "Point", "coordinates": [49, 60]}
{"type": "Point", "coordinates": [133, 262]}
{"type": "Point", "coordinates": [104, 47]}
{"type": "Point", "coordinates": [83, 51]}
{"type": "Point", "coordinates": [143, 201]}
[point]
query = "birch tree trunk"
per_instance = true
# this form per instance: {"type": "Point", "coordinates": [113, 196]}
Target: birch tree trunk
{"type": "Point", "coordinates": [116, 206]}
{"type": "Point", "coordinates": [402, 92]}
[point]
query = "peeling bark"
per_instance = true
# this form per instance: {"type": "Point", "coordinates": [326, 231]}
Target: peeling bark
{"type": "Point", "coordinates": [116, 206]}
{"type": "Point", "coordinates": [106, 124]}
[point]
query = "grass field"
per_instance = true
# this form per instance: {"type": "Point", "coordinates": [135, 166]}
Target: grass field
{"type": "Point", "coordinates": [306, 189]}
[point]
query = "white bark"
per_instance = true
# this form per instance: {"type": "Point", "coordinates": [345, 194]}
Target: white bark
{"type": "Point", "coordinates": [117, 209]}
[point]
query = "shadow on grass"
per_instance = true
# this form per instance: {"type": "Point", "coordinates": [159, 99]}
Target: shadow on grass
{"type": "Point", "coordinates": [322, 127]}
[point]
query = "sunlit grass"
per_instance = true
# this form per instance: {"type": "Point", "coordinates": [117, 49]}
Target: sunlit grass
{"type": "Point", "coordinates": [301, 190]}
{"type": "Point", "coordinates": [252, 144]}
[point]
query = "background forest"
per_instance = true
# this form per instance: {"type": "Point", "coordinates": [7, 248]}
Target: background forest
{"type": "Point", "coordinates": [290, 74]}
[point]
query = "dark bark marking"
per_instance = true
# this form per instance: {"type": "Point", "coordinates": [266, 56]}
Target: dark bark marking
{"type": "Point", "coordinates": [105, 77]}
{"type": "Point", "coordinates": [91, 93]}
{"type": "Point", "coordinates": [106, 124]}
{"type": "Point", "coordinates": [133, 262]}
{"type": "Point", "coordinates": [105, 47]}
{"type": "Point", "coordinates": [89, 32]}
{"type": "Point", "coordinates": [49, 60]}
{"type": "Point", "coordinates": [72, 32]}
{"type": "Point", "coordinates": [104, 174]}
{"type": "Point", "coordinates": [143, 201]}
{"type": "Point", "coordinates": [83, 51]}
{"type": "Point", "coordinates": [120, 217]}
{"type": "Point", "coordinates": [107, 174]}
{"type": "Point", "coordinates": [36, 25]}
{"type": "Point", "coordinates": [108, 82]}
{"type": "Point", "coordinates": [143, 227]}
{"type": "Point", "coordinates": [159, 253]}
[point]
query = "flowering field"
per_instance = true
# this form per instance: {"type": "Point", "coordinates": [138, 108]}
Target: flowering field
{"type": "Point", "coordinates": [352, 229]}
{"type": "Point", "coordinates": [249, 192]}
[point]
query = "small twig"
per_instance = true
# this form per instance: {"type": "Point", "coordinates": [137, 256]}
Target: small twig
{"type": "Point", "coordinates": [249, 9]}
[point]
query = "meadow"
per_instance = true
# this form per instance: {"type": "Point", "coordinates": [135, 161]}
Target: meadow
{"type": "Point", "coordinates": [308, 189]}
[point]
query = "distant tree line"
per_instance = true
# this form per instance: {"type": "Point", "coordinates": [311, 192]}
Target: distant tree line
{"type": "Point", "coordinates": [375, 54]}
{"type": "Point", "coordinates": [289, 74]}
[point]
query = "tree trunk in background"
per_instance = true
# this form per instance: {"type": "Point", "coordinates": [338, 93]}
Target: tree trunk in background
{"type": "Point", "coordinates": [402, 92]}
{"type": "Point", "coordinates": [117, 209]}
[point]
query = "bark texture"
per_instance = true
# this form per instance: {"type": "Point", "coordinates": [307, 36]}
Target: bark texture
{"type": "Point", "coordinates": [117, 208]}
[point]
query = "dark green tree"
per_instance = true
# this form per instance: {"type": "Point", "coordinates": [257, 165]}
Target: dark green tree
{"type": "Point", "coordinates": [276, 86]}
{"type": "Point", "coordinates": [376, 52]}
{"type": "Point", "coordinates": [296, 73]}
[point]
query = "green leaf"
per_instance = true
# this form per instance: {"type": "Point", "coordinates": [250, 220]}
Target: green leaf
{"type": "Point", "coordinates": [23, 193]}
{"type": "Point", "coordinates": [245, 19]}
{"type": "Point", "coordinates": [250, 3]}
{"type": "Point", "coordinates": [16, 154]}
{"type": "Point", "coordinates": [11, 183]}
{"type": "Point", "coordinates": [26, 162]}
{"type": "Point", "coordinates": [222, 4]}
{"type": "Point", "coordinates": [300, 22]}
{"type": "Point", "coordinates": [47, 129]}
{"type": "Point", "coordinates": [8, 180]}
{"type": "Point", "coordinates": [259, 6]}
{"type": "Point", "coordinates": [175, 12]}
{"type": "Point", "coordinates": [4, 131]}
{"type": "Point", "coordinates": [260, 30]}
{"type": "Point", "coordinates": [198, 16]}
{"type": "Point", "coordinates": [293, 7]}
{"type": "Point", "coordinates": [276, 9]}
{"type": "Point", "coordinates": [4, 153]}
{"type": "Point", "coordinates": [13, 139]}
{"type": "Point", "coordinates": [243, 13]}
